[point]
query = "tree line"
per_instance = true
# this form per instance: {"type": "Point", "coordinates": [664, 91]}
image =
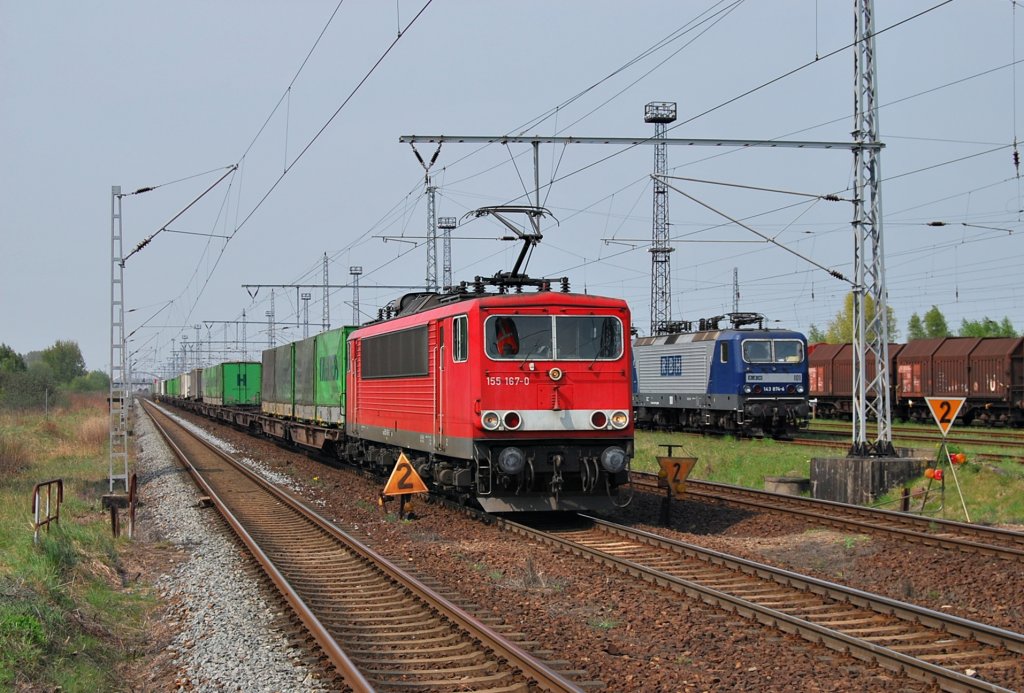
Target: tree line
{"type": "Point", "coordinates": [931, 325]}
{"type": "Point", "coordinates": [32, 379]}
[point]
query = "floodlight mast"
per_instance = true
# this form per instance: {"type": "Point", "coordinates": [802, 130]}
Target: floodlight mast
{"type": "Point", "coordinates": [355, 271]}
{"type": "Point", "coordinates": [326, 324]}
{"type": "Point", "coordinates": [305, 313]}
{"type": "Point", "coordinates": [271, 337]}
{"type": "Point", "coordinates": [660, 113]}
{"type": "Point", "coordinates": [447, 225]}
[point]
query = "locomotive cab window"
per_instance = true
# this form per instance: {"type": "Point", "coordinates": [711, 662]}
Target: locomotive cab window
{"type": "Point", "coordinates": [773, 351]}
{"type": "Point", "coordinates": [548, 337]}
{"type": "Point", "coordinates": [460, 332]}
{"type": "Point", "coordinates": [757, 350]}
{"type": "Point", "coordinates": [725, 352]}
{"type": "Point", "coordinates": [788, 350]}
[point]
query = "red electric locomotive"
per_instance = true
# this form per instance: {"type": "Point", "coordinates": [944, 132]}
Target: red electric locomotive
{"type": "Point", "coordinates": [519, 400]}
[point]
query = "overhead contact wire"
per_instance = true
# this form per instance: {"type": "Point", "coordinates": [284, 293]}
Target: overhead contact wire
{"type": "Point", "coordinates": [344, 103]}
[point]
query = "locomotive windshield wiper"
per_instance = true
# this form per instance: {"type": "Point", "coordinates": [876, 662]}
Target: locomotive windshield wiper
{"type": "Point", "coordinates": [535, 351]}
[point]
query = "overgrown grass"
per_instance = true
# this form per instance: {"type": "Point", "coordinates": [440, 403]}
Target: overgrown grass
{"type": "Point", "coordinates": [993, 493]}
{"type": "Point", "coordinates": [990, 493]}
{"type": "Point", "coordinates": [66, 619]}
{"type": "Point", "coordinates": [728, 460]}
{"type": "Point", "coordinates": [14, 454]}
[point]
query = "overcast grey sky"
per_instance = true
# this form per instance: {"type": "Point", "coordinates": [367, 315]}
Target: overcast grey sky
{"type": "Point", "coordinates": [144, 94]}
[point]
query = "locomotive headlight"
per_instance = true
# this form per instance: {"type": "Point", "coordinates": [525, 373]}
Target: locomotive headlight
{"type": "Point", "coordinates": [555, 374]}
{"type": "Point", "coordinates": [799, 389]}
{"type": "Point", "coordinates": [511, 461]}
{"type": "Point", "coordinates": [613, 459]}
{"type": "Point", "coordinates": [490, 420]}
{"type": "Point", "coordinates": [746, 389]}
{"type": "Point", "coordinates": [512, 420]}
{"type": "Point", "coordinates": [620, 419]}
{"type": "Point", "coordinates": [598, 419]}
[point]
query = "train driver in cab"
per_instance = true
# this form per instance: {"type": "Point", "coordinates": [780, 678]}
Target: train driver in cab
{"type": "Point", "coordinates": [507, 338]}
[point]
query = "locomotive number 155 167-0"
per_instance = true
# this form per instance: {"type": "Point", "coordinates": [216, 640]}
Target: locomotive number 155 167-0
{"type": "Point", "coordinates": [507, 380]}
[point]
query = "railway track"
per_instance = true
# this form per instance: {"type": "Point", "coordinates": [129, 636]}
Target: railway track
{"type": "Point", "coordinates": [946, 534]}
{"type": "Point", "coordinates": [838, 436]}
{"type": "Point", "coordinates": [952, 653]}
{"type": "Point", "coordinates": [381, 628]}
{"type": "Point", "coordinates": [956, 434]}
{"type": "Point", "coordinates": [826, 439]}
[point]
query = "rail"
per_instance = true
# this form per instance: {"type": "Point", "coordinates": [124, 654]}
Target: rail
{"type": "Point", "coordinates": [926, 645]}
{"type": "Point", "coordinates": [381, 628]}
{"type": "Point", "coordinates": [991, 541]}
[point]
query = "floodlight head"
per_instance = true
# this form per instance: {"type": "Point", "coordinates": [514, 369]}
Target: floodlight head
{"type": "Point", "coordinates": [660, 112]}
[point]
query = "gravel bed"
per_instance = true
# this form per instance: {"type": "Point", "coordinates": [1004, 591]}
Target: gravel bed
{"type": "Point", "coordinates": [630, 635]}
{"type": "Point", "coordinates": [224, 628]}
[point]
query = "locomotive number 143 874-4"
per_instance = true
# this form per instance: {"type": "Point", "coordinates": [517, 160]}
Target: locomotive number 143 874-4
{"type": "Point", "coordinates": [508, 380]}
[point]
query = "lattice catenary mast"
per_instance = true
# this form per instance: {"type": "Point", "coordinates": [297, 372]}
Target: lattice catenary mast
{"type": "Point", "coordinates": [118, 371]}
{"type": "Point", "coordinates": [870, 332]}
{"type": "Point", "coordinates": [431, 190]}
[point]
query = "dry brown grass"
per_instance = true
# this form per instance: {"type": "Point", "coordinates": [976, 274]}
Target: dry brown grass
{"type": "Point", "coordinates": [93, 433]}
{"type": "Point", "coordinates": [85, 401]}
{"type": "Point", "coordinates": [90, 437]}
{"type": "Point", "coordinates": [49, 428]}
{"type": "Point", "coordinates": [14, 454]}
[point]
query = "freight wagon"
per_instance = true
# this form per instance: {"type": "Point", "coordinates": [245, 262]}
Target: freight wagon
{"type": "Point", "coordinates": [988, 372]}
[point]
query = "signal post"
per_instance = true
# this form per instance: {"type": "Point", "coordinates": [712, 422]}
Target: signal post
{"type": "Point", "coordinates": [404, 480]}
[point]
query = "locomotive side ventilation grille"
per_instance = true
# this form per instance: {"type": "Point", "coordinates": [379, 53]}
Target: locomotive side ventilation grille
{"type": "Point", "coordinates": [395, 355]}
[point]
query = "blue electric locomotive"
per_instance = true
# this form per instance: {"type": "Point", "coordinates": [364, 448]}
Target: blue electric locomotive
{"type": "Point", "coordinates": [744, 379]}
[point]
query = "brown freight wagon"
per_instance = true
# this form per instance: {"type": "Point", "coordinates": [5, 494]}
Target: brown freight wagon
{"type": "Point", "coordinates": [821, 376]}
{"type": "Point", "coordinates": [830, 370]}
{"type": "Point", "coordinates": [951, 367]}
{"type": "Point", "coordinates": [912, 379]}
{"type": "Point", "coordinates": [996, 388]}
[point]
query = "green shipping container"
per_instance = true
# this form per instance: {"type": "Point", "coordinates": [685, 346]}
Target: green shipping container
{"type": "Point", "coordinates": [331, 373]}
{"type": "Point", "coordinates": [321, 365]}
{"type": "Point", "coordinates": [305, 379]}
{"type": "Point", "coordinates": [236, 383]}
{"type": "Point", "coordinates": [278, 381]}
{"type": "Point", "coordinates": [174, 387]}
